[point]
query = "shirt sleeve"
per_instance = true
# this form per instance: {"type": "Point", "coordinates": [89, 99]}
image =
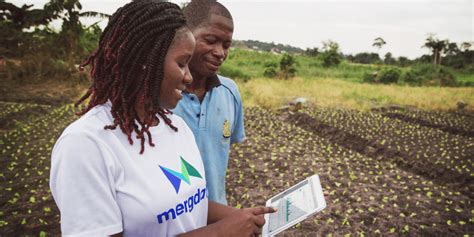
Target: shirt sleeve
{"type": "Point", "coordinates": [238, 132]}
{"type": "Point", "coordinates": [82, 184]}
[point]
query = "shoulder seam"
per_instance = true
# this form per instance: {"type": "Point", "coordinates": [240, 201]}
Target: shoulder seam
{"type": "Point", "coordinates": [229, 88]}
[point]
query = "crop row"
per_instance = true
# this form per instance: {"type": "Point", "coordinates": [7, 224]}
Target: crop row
{"type": "Point", "coordinates": [437, 154]}
{"type": "Point", "coordinates": [366, 195]}
{"type": "Point", "coordinates": [11, 114]}
{"type": "Point", "coordinates": [453, 122]}
{"type": "Point", "coordinates": [26, 203]}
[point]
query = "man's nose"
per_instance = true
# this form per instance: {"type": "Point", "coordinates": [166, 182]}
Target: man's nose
{"type": "Point", "coordinates": [219, 52]}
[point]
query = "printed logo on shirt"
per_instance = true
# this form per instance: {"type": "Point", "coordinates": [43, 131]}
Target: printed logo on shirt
{"type": "Point", "coordinates": [183, 207]}
{"type": "Point", "coordinates": [226, 129]}
{"type": "Point", "coordinates": [175, 177]}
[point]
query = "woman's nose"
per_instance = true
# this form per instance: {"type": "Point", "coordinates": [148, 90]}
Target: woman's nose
{"type": "Point", "coordinates": [188, 78]}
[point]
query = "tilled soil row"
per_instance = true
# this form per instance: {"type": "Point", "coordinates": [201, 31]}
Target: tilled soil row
{"type": "Point", "coordinates": [452, 130]}
{"type": "Point", "coordinates": [366, 196]}
{"type": "Point", "coordinates": [439, 174]}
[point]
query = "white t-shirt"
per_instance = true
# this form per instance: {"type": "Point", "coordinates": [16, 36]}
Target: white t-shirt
{"type": "Point", "coordinates": [103, 186]}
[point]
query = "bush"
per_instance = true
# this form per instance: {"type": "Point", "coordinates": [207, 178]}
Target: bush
{"type": "Point", "coordinates": [389, 75]}
{"type": "Point", "coordinates": [369, 77]}
{"type": "Point", "coordinates": [38, 67]}
{"type": "Point", "coordinates": [429, 75]}
{"type": "Point", "coordinates": [270, 69]}
{"type": "Point", "coordinates": [234, 73]}
{"type": "Point", "coordinates": [386, 75]}
{"type": "Point", "coordinates": [331, 58]}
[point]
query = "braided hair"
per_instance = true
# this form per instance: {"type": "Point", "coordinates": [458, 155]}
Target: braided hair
{"type": "Point", "coordinates": [128, 66]}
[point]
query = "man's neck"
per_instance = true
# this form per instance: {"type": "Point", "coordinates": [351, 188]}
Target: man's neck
{"type": "Point", "coordinates": [199, 83]}
{"type": "Point", "coordinates": [198, 87]}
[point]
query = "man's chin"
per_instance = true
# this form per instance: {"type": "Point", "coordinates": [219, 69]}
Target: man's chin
{"type": "Point", "coordinates": [210, 73]}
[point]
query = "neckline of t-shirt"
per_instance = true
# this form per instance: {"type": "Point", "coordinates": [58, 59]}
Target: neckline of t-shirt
{"type": "Point", "coordinates": [108, 106]}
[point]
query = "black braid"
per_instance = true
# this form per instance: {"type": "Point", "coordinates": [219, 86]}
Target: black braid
{"type": "Point", "coordinates": [130, 62]}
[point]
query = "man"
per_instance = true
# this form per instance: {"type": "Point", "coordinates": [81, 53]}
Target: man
{"type": "Point", "coordinates": [211, 105]}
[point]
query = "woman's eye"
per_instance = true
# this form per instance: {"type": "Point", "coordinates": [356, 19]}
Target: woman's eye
{"type": "Point", "coordinates": [182, 65]}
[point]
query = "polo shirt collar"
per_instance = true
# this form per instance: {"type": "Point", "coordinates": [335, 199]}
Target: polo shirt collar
{"type": "Point", "coordinates": [212, 81]}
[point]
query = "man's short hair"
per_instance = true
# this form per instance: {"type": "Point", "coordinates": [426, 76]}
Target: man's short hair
{"type": "Point", "coordinates": [198, 12]}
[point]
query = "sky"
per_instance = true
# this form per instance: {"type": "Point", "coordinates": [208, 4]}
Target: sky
{"type": "Point", "coordinates": [354, 24]}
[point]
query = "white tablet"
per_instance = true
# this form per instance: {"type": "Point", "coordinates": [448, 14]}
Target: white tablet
{"type": "Point", "coordinates": [294, 205]}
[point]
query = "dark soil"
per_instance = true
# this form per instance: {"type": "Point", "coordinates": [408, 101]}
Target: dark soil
{"type": "Point", "coordinates": [371, 192]}
{"type": "Point", "coordinates": [440, 175]}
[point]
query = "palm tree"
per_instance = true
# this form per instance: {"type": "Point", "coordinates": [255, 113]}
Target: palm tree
{"type": "Point", "coordinates": [379, 42]}
{"type": "Point", "coordinates": [436, 46]}
{"type": "Point", "coordinates": [23, 17]}
{"type": "Point", "coordinates": [70, 12]}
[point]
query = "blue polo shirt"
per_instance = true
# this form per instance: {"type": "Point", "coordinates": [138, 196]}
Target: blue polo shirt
{"type": "Point", "coordinates": [217, 122]}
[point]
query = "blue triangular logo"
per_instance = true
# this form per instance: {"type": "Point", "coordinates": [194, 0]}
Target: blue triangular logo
{"type": "Point", "coordinates": [175, 181]}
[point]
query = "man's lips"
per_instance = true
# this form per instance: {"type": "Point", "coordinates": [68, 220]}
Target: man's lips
{"type": "Point", "coordinates": [214, 65]}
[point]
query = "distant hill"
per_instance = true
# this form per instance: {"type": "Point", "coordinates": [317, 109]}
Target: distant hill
{"type": "Point", "coordinates": [264, 46]}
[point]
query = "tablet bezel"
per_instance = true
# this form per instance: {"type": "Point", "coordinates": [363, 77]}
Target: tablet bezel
{"type": "Point", "coordinates": [318, 197]}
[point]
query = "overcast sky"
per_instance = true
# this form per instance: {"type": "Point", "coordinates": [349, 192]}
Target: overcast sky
{"type": "Point", "coordinates": [354, 24]}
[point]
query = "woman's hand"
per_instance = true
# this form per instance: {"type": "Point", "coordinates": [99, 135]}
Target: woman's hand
{"type": "Point", "coordinates": [237, 222]}
{"type": "Point", "coordinates": [244, 222]}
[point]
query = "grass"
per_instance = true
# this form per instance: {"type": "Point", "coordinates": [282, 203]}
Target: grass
{"type": "Point", "coordinates": [324, 92]}
{"type": "Point", "coordinates": [252, 64]}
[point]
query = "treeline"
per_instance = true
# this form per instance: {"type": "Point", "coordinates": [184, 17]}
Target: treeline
{"type": "Point", "coordinates": [443, 52]}
{"type": "Point", "coordinates": [446, 53]}
{"type": "Point", "coordinates": [269, 47]}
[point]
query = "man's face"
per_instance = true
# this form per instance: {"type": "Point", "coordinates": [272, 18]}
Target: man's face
{"type": "Point", "coordinates": [176, 71]}
{"type": "Point", "coordinates": [213, 40]}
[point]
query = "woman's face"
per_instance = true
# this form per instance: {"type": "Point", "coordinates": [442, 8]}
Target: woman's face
{"type": "Point", "coordinates": [176, 71]}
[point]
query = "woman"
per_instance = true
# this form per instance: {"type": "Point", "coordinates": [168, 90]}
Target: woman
{"type": "Point", "coordinates": [129, 166]}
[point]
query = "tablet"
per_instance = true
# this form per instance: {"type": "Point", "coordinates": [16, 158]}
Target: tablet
{"type": "Point", "coordinates": [294, 205]}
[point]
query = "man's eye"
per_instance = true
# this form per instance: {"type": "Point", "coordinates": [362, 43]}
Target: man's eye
{"type": "Point", "coordinates": [210, 40]}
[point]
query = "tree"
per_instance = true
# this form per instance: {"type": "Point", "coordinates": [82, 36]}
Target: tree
{"type": "Point", "coordinates": [23, 17]}
{"type": "Point", "coordinates": [389, 59]}
{"type": "Point", "coordinates": [466, 46]}
{"type": "Point", "coordinates": [436, 46]}
{"type": "Point", "coordinates": [403, 61]}
{"type": "Point", "coordinates": [331, 55]}
{"type": "Point", "coordinates": [452, 49]}
{"type": "Point", "coordinates": [72, 29]}
{"type": "Point", "coordinates": [379, 42]}
{"type": "Point", "coordinates": [365, 58]}
{"type": "Point", "coordinates": [14, 41]}
{"type": "Point", "coordinates": [312, 52]}
{"type": "Point", "coordinates": [287, 66]}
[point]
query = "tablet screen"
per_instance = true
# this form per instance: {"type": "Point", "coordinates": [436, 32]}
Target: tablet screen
{"type": "Point", "coordinates": [292, 204]}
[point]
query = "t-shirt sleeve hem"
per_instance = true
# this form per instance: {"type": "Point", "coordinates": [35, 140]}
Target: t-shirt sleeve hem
{"type": "Point", "coordinates": [239, 140]}
{"type": "Point", "coordinates": [105, 231]}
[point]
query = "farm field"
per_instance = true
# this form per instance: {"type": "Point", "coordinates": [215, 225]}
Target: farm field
{"type": "Point", "coordinates": [387, 171]}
